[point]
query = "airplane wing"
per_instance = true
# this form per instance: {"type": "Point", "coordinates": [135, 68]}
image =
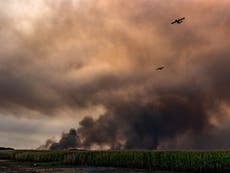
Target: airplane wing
{"type": "Point", "coordinates": [182, 18]}
{"type": "Point", "coordinates": [173, 22]}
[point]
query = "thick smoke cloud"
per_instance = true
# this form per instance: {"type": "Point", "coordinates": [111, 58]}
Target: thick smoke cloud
{"type": "Point", "coordinates": [68, 140]}
{"type": "Point", "coordinates": [78, 54]}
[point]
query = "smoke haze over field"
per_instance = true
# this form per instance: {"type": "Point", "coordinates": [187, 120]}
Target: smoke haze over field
{"type": "Point", "coordinates": [93, 62]}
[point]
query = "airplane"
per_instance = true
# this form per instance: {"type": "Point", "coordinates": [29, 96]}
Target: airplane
{"type": "Point", "coordinates": [178, 20]}
{"type": "Point", "coordinates": [160, 68]}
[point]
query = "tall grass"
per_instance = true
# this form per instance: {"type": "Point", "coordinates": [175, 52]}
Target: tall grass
{"type": "Point", "coordinates": [154, 160]}
{"type": "Point", "coordinates": [6, 154]}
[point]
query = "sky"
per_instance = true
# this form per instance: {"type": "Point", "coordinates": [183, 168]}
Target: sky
{"type": "Point", "coordinates": [89, 66]}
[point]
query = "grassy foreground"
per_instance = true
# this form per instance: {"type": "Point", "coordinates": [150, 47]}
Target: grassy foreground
{"type": "Point", "coordinates": [154, 160]}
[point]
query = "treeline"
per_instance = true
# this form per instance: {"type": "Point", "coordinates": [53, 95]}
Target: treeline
{"type": "Point", "coordinates": [3, 148]}
{"type": "Point", "coordinates": [154, 160]}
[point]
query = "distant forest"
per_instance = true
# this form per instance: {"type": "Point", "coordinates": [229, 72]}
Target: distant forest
{"type": "Point", "coordinates": [3, 148]}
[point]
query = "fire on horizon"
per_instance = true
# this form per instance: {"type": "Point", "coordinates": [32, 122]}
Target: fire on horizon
{"type": "Point", "coordinates": [88, 66]}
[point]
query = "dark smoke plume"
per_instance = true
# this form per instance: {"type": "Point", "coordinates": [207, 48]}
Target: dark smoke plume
{"type": "Point", "coordinates": [68, 140]}
{"type": "Point", "coordinates": [168, 112]}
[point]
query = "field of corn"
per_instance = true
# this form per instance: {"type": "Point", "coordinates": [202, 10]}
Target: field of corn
{"type": "Point", "coordinates": [154, 160]}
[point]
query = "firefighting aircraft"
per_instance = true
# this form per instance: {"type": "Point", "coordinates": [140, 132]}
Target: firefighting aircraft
{"type": "Point", "coordinates": [160, 68]}
{"type": "Point", "coordinates": [178, 20]}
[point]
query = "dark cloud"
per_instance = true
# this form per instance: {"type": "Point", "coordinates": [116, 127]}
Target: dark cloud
{"type": "Point", "coordinates": [79, 55]}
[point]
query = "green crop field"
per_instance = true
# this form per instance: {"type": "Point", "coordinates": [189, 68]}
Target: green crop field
{"type": "Point", "coordinates": [154, 160]}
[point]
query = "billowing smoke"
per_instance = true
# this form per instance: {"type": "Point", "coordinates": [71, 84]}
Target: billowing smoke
{"type": "Point", "coordinates": [156, 115]}
{"type": "Point", "coordinates": [68, 140]}
{"type": "Point", "coordinates": [85, 53]}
